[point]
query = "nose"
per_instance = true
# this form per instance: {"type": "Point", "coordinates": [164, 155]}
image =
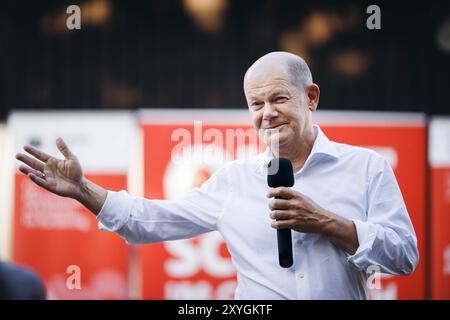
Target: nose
{"type": "Point", "coordinates": [269, 112]}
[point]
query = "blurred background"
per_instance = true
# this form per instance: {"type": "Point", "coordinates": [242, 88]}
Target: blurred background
{"type": "Point", "coordinates": [138, 70]}
{"type": "Point", "coordinates": [193, 53]}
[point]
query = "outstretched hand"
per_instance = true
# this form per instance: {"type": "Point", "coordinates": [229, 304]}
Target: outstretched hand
{"type": "Point", "coordinates": [62, 177]}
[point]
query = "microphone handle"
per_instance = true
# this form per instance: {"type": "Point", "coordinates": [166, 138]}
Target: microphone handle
{"type": "Point", "coordinates": [284, 239]}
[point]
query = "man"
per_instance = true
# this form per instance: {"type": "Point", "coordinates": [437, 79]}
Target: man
{"type": "Point", "coordinates": [345, 209]}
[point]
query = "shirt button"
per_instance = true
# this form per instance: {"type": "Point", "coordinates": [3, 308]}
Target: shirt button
{"type": "Point", "coordinates": [299, 242]}
{"type": "Point", "coordinates": [301, 275]}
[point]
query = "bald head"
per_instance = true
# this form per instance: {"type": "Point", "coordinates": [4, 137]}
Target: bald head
{"type": "Point", "coordinates": [279, 63]}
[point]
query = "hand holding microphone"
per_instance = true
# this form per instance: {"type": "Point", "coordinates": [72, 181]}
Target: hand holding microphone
{"type": "Point", "coordinates": [296, 211]}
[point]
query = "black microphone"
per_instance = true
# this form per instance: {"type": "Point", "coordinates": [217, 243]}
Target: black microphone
{"type": "Point", "coordinates": [281, 174]}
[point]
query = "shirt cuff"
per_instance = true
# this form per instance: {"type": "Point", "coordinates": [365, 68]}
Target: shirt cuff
{"type": "Point", "coordinates": [115, 212]}
{"type": "Point", "coordinates": [366, 234]}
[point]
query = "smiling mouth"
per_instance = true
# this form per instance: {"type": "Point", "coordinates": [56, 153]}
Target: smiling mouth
{"type": "Point", "coordinates": [274, 127]}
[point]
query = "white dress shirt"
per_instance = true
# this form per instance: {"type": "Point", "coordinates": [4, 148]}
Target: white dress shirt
{"type": "Point", "coordinates": [353, 182]}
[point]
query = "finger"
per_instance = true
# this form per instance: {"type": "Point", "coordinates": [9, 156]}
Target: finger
{"type": "Point", "coordinates": [39, 181]}
{"type": "Point", "coordinates": [283, 224]}
{"type": "Point", "coordinates": [27, 170]}
{"type": "Point", "coordinates": [37, 153]}
{"type": "Point", "coordinates": [282, 192]}
{"type": "Point", "coordinates": [280, 204]}
{"type": "Point", "coordinates": [280, 214]}
{"type": "Point", "coordinates": [35, 164]}
{"type": "Point", "coordinates": [64, 148]}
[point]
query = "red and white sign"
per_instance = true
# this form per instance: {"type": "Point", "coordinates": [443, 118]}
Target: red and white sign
{"type": "Point", "coordinates": [439, 157]}
{"type": "Point", "coordinates": [201, 268]}
{"type": "Point", "coordinates": [58, 237]}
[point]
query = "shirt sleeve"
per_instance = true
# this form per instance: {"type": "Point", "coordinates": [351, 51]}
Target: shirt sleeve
{"type": "Point", "coordinates": [386, 238]}
{"type": "Point", "coordinates": [140, 220]}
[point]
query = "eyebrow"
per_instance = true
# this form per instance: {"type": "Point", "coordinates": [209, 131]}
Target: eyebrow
{"type": "Point", "coordinates": [253, 98]}
{"type": "Point", "coordinates": [278, 91]}
{"type": "Point", "coordinates": [271, 93]}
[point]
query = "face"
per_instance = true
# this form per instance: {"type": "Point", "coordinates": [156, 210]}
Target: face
{"type": "Point", "coordinates": [279, 110]}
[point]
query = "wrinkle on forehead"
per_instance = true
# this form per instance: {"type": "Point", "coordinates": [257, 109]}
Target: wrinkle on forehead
{"type": "Point", "coordinates": [264, 81]}
{"type": "Point", "coordinates": [277, 82]}
{"type": "Point", "coordinates": [266, 73]}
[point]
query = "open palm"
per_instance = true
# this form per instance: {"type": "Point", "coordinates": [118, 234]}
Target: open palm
{"type": "Point", "coordinates": [62, 177]}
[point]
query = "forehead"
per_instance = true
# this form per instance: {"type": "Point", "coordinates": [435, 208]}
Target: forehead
{"type": "Point", "coordinates": [257, 84]}
{"type": "Point", "coordinates": [268, 87]}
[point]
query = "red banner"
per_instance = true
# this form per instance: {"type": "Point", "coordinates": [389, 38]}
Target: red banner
{"type": "Point", "coordinates": [57, 237]}
{"type": "Point", "coordinates": [440, 207]}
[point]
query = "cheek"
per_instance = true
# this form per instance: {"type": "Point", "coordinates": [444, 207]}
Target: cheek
{"type": "Point", "coordinates": [296, 114]}
{"type": "Point", "coordinates": [256, 118]}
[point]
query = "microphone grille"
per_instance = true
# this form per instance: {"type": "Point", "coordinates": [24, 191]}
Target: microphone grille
{"type": "Point", "coordinates": [280, 173]}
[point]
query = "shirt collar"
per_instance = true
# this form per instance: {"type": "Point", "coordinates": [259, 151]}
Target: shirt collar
{"type": "Point", "coordinates": [322, 148]}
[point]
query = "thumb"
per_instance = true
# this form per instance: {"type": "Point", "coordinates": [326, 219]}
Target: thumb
{"type": "Point", "coordinates": [64, 149]}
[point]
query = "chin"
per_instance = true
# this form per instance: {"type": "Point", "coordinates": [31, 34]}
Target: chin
{"type": "Point", "coordinates": [278, 142]}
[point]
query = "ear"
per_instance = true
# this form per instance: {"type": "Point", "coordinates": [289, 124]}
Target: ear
{"type": "Point", "coordinates": [312, 95]}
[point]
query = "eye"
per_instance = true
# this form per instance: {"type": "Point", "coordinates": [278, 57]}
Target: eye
{"type": "Point", "coordinates": [257, 104]}
{"type": "Point", "coordinates": [281, 99]}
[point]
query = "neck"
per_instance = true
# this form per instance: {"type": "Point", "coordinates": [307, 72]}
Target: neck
{"type": "Point", "coordinates": [298, 151]}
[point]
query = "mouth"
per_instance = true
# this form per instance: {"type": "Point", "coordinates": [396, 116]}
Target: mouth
{"type": "Point", "coordinates": [274, 127]}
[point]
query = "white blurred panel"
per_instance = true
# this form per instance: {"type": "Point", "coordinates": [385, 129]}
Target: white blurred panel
{"type": "Point", "coordinates": [439, 142]}
{"type": "Point", "coordinates": [6, 192]}
{"type": "Point", "coordinates": [102, 141]}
